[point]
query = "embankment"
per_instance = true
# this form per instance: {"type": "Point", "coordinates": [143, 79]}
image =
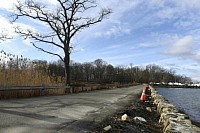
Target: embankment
{"type": "Point", "coordinates": [172, 120]}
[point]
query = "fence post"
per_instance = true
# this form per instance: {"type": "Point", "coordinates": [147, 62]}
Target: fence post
{"type": "Point", "coordinates": [42, 89]}
{"type": "Point", "coordinates": [71, 89]}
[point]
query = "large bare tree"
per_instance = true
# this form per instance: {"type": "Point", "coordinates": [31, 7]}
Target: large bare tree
{"type": "Point", "coordinates": [69, 17]}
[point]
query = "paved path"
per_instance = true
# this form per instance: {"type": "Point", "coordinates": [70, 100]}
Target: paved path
{"type": "Point", "coordinates": [61, 114]}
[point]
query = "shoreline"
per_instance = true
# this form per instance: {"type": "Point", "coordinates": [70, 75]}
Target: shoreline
{"type": "Point", "coordinates": [194, 122]}
{"type": "Point", "coordinates": [136, 108]}
{"type": "Point", "coordinates": [173, 119]}
{"type": "Point", "coordinates": [156, 122]}
{"type": "Point", "coordinates": [176, 86]}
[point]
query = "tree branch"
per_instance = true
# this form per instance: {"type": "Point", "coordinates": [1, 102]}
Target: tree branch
{"type": "Point", "coordinates": [47, 51]}
{"type": "Point", "coordinates": [91, 21]}
{"type": "Point", "coordinates": [4, 37]}
{"type": "Point", "coordinates": [36, 11]}
{"type": "Point", "coordinates": [37, 37]}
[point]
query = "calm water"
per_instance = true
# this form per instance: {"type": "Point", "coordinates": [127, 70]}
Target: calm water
{"type": "Point", "coordinates": [187, 100]}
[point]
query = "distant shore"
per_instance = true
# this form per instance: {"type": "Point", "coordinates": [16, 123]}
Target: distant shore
{"type": "Point", "coordinates": [175, 86]}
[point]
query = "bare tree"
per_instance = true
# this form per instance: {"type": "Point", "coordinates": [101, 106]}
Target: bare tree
{"type": "Point", "coordinates": [88, 70]}
{"type": "Point", "coordinates": [100, 67]}
{"type": "Point", "coordinates": [64, 22]}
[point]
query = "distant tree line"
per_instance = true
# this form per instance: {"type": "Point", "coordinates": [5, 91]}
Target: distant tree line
{"type": "Point", "coordinates": [100, 71]}
{"type": "Point", "coordinates": [19, 71]}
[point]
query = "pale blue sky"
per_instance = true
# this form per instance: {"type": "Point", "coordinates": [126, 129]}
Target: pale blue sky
{"type": "Point", "coordinates": [162, 32]}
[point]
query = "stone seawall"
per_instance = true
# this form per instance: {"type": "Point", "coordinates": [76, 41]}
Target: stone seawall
{"type": "Point", "coordinates": [172, 120]}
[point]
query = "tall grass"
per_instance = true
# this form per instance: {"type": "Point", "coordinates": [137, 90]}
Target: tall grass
{"type": "Point", "coordinates": [18, 71]}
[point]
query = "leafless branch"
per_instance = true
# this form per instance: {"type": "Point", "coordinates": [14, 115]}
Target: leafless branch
{"type": "Point", "coordinates": [4, 37]}
{"type": "Point", "coordinates": [47, 51]}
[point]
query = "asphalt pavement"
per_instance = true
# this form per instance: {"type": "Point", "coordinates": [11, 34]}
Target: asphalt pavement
{"type": "Point", "coordinates": [74, 113]}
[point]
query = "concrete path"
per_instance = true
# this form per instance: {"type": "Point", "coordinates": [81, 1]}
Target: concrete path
{"type": "Point", "coordinates": [62, 114]}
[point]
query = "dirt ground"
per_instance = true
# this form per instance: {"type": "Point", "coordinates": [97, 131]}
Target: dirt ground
{"type": "Point", "coordinates": [136, 108]}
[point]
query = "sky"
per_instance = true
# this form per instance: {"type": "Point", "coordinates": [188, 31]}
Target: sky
{"type": "Point", "coordinates": [141, 32]}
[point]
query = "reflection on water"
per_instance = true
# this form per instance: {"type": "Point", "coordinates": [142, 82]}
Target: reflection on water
{"type": "Point", "coordinates": [187, 100]}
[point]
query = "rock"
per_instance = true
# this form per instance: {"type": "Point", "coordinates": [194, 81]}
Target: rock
{"type": "Point", "coordinates": [139, 119]}
{"type": "Point", "coordinates": [124, 117]}
{"type": "Point", "coordinates": [148, 109]}
{"type": "Point", "coordinates": [107, 128]}
{"type": "Point", "coordinates": [176, 127]}
{"type": "Point", "coordinates": [172, 120]}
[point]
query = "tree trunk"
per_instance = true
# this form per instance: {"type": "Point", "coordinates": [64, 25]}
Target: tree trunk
{"type": "Point", "coordinates": [67, 69]}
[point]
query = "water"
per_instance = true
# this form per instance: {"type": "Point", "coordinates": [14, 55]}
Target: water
{"type": "Point", "coordinates": [187, 100]}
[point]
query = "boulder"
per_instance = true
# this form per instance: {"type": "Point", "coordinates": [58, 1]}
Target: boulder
{"type": "Point", "coordinates": [124, 117]}
{"type": "Point", "coordinates": [172, 120]}
{"type": "Point", "coordinates": [139, 119]}
{"type": "Point", "coordinates": [107, 128]}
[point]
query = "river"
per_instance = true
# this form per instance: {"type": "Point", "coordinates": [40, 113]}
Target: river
{"type": "Point", "coordinates": [185, 99]}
